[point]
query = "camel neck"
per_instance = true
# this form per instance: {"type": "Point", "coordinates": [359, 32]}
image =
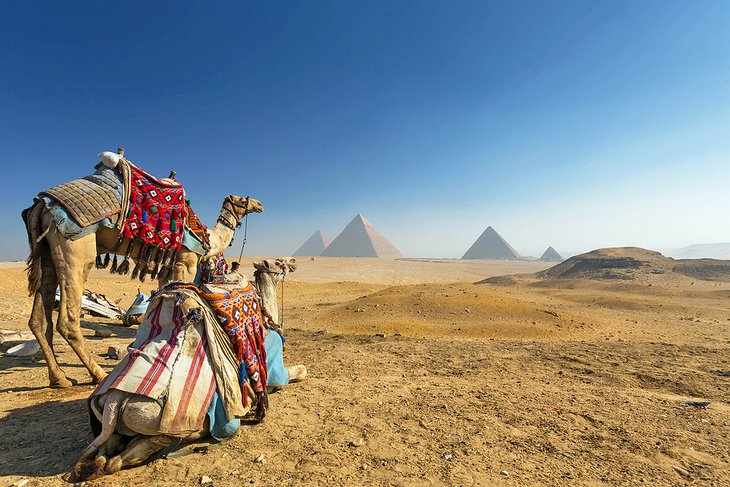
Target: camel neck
{"type": "Point", "coordinates": [220, 238]}
{"type": "Point", "coordinates": [266, 285]}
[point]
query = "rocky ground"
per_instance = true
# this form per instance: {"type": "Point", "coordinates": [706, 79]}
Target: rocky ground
{"type": "Point", "coordinates": [418, 376]}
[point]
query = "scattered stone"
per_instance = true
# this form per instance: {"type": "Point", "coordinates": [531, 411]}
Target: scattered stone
{"type": "Point", "coordinates": [24, 349]}
{"type": "Point", "coordinates": [504, 472]}
{"type": "Point", "coordinates": [260, 459]}
{"type": "Point", "coordinates": [681, 471]}
{"type": "Point", "coordinates": [116, 353]}
{"type": "Point", "coordinates": [381, 335]}
{"type": "Point", "coordinates": [466, 310]}
{"type": "Point", "coordinates": [101, 333]}
{"type": "Point", "coordinates": [21, 483]}
{"type": "Point", "coordinates": [357, 442]}
{"type": "Point", "coordinates": [205, 480]}
{"type": "Point", "coordinates": [448, 457]}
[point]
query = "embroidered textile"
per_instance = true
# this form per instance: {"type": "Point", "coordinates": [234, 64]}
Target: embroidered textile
{"type": "Point", "coordinates": [157, 211]}
{"type": "Point", "coordinates": [196, 227]}
{"type": "Point", "coordinates": [239, 313]}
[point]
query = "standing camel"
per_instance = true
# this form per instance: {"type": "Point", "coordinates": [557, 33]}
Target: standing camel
{"type": "Point", "coordinates": [59, 262]}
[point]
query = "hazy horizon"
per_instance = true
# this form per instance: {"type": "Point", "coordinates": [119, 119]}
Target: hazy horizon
{"type": "Point", "coordinates": [576, 125]}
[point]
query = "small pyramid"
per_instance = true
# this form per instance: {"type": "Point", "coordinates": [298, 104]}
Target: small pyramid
{"type": "Point", "coordinates": [314, 245]}
{"type": "Point", "coordinates": [551, 255]}
{"type": "Point", "coordinates": [361, 239]}
{"type": "Point", "coordinates": [490, 245]}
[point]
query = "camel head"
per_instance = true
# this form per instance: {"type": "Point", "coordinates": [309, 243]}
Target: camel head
{"type": "Point", "coordinates": [280, 266]}
{"type": "Point", "coordinates": [240, 205]}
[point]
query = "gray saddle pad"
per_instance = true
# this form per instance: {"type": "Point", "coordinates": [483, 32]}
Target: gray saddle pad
{"type": "Point", "coordinates": [92, 198]}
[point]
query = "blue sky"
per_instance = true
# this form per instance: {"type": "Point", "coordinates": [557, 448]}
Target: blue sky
{"type": "Point", "coordinates": [573, 124]}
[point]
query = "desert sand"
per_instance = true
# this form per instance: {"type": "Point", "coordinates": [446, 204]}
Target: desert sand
{"type": "Point", "coordinates": [419, 376]}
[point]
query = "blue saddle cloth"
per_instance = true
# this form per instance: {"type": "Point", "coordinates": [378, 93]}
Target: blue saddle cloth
{"type": "Point", "coordinates": [220, 428]}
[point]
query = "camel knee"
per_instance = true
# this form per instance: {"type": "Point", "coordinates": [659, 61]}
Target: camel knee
{"type": "Point", "coordinates": [68, 331]}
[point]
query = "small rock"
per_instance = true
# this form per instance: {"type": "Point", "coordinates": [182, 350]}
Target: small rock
{"type": "Point", "coordinates": [260, 459]}
{"type": "Point", "coordinates": [21, 483]}
{"type": "Point", "coordinates": [681, 471]}
{"type": "Point", "coordinates": [466, 310]}
{"type": "Point", "coordinates": [504, 472]}
{"type": "Point", "coordinates": [448, 457]}
{"type": "Point", "coordinates": [116, 353]}
{"type": "Point", "coordinates": [205, 480]}
{"type": "Point", "coordinates": [103, 333]}
{"type": "Point", "coordinates": [357, 442]}
{"type": "Point", "coordinates": [381, 335]}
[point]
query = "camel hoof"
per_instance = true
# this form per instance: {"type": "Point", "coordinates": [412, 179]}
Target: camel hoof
{"type": "Point", "coordinates": [97, 379]}
{"type": "Point", "coordinates": [114, 465]}
{"type": "Point", "coordinates": [83, 470]}
{"type": "Point", "coordinates": [297, 373]}
{"type": "Point", "coordinates": [62, 383]}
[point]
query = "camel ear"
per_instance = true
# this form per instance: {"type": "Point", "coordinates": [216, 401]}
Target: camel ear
{"type": "Point", "coordinates": [256, 265]}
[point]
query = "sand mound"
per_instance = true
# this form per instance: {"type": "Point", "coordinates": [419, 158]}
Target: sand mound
{"type": "Point", "coordinates": [627, 264]}
{"type": "Point", "coordinates": [459, 310]}
{"type": "Point", "coordinates": [621, 263]}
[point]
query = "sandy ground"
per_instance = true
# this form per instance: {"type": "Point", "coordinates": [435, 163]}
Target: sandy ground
{"type": "Point", "coordinates": [519, 383]}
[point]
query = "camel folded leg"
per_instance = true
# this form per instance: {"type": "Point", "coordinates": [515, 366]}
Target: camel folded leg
{"type": "Point", "coordinates": [137, 451]}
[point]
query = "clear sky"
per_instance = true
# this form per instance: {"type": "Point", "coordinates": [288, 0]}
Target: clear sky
{"type": "Point", "coordinates": [576, 124]}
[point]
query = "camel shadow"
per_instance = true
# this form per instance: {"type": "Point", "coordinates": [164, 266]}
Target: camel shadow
{"type": "Point", "coordinates": [43, 439]}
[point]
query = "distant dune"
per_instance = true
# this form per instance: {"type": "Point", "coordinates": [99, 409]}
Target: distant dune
{"type": "Point", "coordinates": [700, 251]}
{"type": "Point", "coordinates": [629, 264]}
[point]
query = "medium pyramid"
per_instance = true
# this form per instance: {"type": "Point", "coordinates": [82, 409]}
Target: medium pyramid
{"type": "Point", "coordinates": [314, 245]}
{"type": "Point", "coordinates": [551, 255]}
{"type": "Point", "coordinates": [490, 245]}
{"type": "Point", "coordinates": [361, 239]}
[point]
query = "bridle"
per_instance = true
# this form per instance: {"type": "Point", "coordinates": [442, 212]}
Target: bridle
{"type": "Point", "coordinates": [233, 214]}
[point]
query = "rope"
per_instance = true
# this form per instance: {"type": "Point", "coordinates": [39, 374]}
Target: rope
{"type": "Point", "coordinates": [245, 232]}
{"type": "Point", "coordinates": [281, 318]}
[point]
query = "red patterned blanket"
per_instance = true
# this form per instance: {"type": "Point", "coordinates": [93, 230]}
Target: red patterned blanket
{"type": "Point", "coordinates": [239, 313]}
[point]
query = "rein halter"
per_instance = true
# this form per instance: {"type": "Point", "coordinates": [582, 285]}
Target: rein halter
{"type": "Point", "coordinates": [234, 206]}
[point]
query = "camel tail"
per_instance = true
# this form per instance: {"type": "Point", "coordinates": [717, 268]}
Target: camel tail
{"type": "Point", "coordinates": [36, 241]}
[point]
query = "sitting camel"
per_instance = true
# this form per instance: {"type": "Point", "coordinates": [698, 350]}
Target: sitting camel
{"type": "Point", "coordinates": [123, 414]}
{"type": "Point", "coordinates": [56, 261]}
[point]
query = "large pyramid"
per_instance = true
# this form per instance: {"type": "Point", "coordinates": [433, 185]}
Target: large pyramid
{"type": "Point", "coordinates": [490, 245]}
{"type": "Point", "coordinates": [551, 255]}
{"type": "Point", "coordinates": [361, 239]}
{"type": "Point", "coordinates": [314, 245]}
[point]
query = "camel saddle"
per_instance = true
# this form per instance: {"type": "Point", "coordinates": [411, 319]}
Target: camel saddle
{"type": "Point", "coordinates": [92, 198]}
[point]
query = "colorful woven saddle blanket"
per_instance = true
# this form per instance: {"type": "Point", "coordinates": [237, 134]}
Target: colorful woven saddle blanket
{"type": "Point", "coordinates": [92, 198]}
{"type": "Point", "coordinates": [181, 358]}
{"type": "Point", "coordinates": [157, 211]}
{"type": "Point", "coordinates": [239, 314]}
